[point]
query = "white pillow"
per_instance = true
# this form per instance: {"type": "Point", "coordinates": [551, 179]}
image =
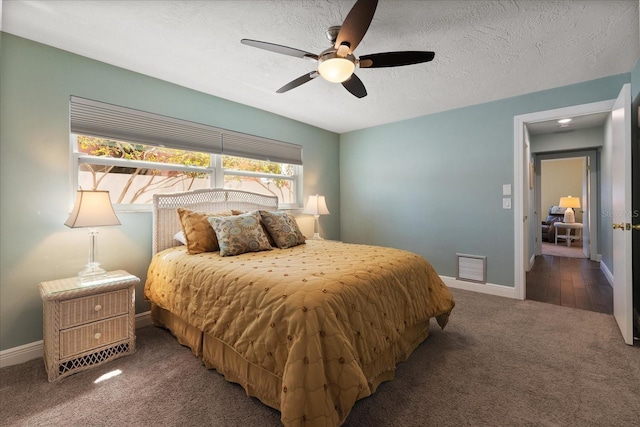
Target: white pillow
{"type": "Point", "coordinates": [179, 236]}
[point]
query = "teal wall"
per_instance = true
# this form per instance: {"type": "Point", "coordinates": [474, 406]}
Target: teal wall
{"type": "Point", "coordinates": [433, 184]}
{"type": "Point", "coordinates": [35, 195]}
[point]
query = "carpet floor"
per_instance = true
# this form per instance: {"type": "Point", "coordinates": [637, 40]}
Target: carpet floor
{"type": "Point", "coordinates": [499, 362]}
{"type": "Point", "coordinates": [561, 249]}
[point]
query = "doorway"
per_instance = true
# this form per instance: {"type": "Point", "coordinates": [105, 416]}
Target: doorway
{"type": "Point", "coordinates": [568, 173]}
{"type": "Point", "coordinates": [563, 275]}
{"type": "Point", "coordinates": [615, 203]}
{"type": "Point", "coordinates": [563, 177]}
{"type": "Point", "coordinates": [523, 183]}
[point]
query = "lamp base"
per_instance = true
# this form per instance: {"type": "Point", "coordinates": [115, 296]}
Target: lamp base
{"type": "Point", "coordinates": [92, 271]}
{"type": "Point", "coordinates": [569, 216]}
{"type": "Point", "coordinates": [316, 226]}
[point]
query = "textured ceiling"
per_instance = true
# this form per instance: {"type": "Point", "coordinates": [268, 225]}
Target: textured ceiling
{"type": "Point", "coordinates": [485, 50]}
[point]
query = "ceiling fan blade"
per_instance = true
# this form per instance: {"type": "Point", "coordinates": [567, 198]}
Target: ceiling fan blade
{"type": "Point", "coordinates": [355, 86]}
{"type": "Point", "coordinates": [356, 24]}
{"type": "Point", "coordinates": [395, 59]}
{"type": "Point", "coordinates": [297, 82]}
{"type": "Point", "coordinates": [279, 49]}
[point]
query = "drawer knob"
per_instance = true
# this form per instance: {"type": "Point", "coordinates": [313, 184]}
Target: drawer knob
{"type": "Point", "coordinates": [98, 307]}
{"type": "Point", "coordinates": [97, 335]}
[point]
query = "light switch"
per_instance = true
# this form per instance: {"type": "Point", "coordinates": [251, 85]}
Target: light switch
{"type": "Point", "coordinates": [506, 189]}
{"type": "Point", "coordinates": [506, 203]}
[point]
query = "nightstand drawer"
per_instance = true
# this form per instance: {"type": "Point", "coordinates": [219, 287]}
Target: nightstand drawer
{"type": "Point", "coordinates": [82, 310]}
{"type": "Point", "coordinates": [87, 337]}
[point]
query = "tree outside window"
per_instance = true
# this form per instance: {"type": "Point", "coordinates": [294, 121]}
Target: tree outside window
{"type": "Point", "coordinates": [133, 172]}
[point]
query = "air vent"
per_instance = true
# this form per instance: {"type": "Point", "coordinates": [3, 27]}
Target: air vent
{"type": "Point", "coordinates": [472, 268]}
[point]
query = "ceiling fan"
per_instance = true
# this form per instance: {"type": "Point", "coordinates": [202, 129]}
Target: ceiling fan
{"type": "Point", "coordinates": [337, 64]}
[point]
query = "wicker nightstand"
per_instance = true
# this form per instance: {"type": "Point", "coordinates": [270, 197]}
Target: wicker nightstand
{"type": "Point", "coordinates": [87, 323]}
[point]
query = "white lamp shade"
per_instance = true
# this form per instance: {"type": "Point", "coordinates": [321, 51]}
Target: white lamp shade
{"type": "Point", "coordinates": [316, 205]}
{"type": "Point", "coordinates": [569, 202]}
{"type": "Point", "coordinates": [92, 209]}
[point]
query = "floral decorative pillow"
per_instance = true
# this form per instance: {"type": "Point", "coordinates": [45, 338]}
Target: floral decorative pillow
{"type": "Point", "coordinates": [239, 234]}
{"type": "Point", "coordinates": [198, 234]}
{"type": "Point", "coordinates": [264, 228]}
{"type": "Point", "coordinates": [283, 228]}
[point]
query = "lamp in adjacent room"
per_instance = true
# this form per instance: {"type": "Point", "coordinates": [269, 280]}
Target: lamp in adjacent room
{"type": "Point", "coordinates": [92, 209]}
{"type": "Point", "coordinates": [316, 206]}
{"type": "Point", "coordinates": [569, 203]}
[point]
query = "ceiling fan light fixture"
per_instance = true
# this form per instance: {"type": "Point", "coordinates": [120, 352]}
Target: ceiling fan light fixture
{"type": "Point", "coordinates": [337, 63]}
{"type": "Point", "coordinates": [334, 68]}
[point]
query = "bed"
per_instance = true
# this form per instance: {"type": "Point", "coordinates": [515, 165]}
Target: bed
{"type": "Point", "coordinates": [307, 329]}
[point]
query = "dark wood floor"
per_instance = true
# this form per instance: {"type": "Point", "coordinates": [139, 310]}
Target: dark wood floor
{"type": "Point", "coordinates": [571, 282]}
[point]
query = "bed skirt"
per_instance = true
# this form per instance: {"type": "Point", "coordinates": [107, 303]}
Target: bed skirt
{"type": "Point", "coordinates": [263, 384]}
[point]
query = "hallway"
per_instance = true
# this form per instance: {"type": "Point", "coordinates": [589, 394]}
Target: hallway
{"type": "Point", "coordinates": [570, 282]}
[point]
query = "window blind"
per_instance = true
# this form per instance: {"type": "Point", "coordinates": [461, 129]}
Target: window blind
{"type": "Point", "coordinates": [255, 147]}
{"type": "Point", "coordinates": [99, 119]}
{"type": "Point", "coordinates": [94, 118]}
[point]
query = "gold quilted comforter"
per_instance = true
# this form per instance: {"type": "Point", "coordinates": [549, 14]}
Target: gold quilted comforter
{"type": "Point", "coordinates": [319, 325]}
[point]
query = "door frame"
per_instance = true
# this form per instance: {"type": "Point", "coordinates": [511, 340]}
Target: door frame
{"type": "Point", "coordinates": [590, 196]}
{"type": "Point", "coordinates": [520, 171]}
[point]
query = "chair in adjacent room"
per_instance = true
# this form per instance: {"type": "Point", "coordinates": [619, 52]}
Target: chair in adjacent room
{"type": "Point", "coordinates": [556, 214]}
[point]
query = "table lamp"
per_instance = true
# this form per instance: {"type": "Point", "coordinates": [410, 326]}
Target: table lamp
{"type": "Point", "coordinates": [569, 203]}
{"type": "Point", "coordinates": [316, 206]}
{"type": "Point", "coordinates": [92, 209]}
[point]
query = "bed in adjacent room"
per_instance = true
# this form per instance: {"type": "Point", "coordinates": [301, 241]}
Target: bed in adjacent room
{"type": "Point", "coordinates": [306, 327]}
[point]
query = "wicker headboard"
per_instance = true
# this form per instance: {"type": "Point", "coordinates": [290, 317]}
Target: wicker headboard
{"type": "Point", "coordinates": [165, 218]}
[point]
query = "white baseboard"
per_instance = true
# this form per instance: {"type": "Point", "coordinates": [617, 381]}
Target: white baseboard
{"type": "Point", "coordinates": [143, 319]}
{"type": "Point", "coordinates": [34, 350]}
{"type": "Point", "coordinates": [20, 354]}
{"type": "Point", "coordinates": [483, 288]}
{"type": "Point", "coordinates": [532, 261]}
{"type": "Point", "coordinates": [607, 273]}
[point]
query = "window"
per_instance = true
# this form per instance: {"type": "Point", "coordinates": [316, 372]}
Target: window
{"type": "Point", "coordinates": [133, 173]}
{"type": "Point", "coordinates": [264, 177]}
{"type": "Point", "coordinates": [134, 155]}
